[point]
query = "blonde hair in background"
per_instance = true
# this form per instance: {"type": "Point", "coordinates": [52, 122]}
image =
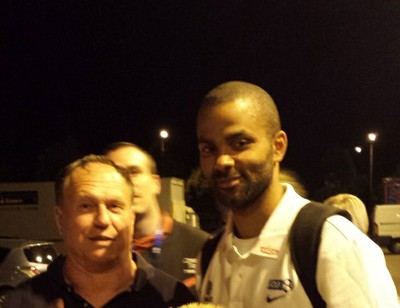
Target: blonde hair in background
{"type": "Point", "coordinates": [201, 305]}
{"type": "Point", "coordinates": [354, 206]}
{"type": "Point", "coordinates": [291, 177]}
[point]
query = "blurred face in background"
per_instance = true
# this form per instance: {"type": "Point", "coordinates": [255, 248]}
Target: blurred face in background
{"type": "Point", "coordinates": [146, 184]}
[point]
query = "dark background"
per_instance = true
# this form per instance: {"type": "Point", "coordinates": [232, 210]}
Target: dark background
{"type": "Point", "coordinates": [77, 75]}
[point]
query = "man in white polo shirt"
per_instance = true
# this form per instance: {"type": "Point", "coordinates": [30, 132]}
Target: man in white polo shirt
{"type": "Point", "coordinates": [241, 147]}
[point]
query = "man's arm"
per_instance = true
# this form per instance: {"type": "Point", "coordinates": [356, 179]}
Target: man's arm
{"type": "Point", "coordinates": [351, 270]}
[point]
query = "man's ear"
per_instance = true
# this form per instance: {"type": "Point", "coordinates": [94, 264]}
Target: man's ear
{"type": "Point", "coordinates": [280, 145]}
{"type": "Point", "coordinates": [57, 211]}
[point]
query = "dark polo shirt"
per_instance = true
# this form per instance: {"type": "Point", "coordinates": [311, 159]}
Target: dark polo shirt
{"type": "Point", "coordinates": [150, 288]}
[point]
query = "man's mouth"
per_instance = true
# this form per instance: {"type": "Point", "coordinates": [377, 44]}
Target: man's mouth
{"type": "Point", "coordinates": [228, 183]}
{"type": "Point", "coordinates": [100, 239]}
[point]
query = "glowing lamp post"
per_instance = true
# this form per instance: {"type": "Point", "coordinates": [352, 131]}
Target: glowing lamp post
{"type": "Point", "coordinates": [163, 135]}
{"type": "Point", "coordinates": [371, 139]}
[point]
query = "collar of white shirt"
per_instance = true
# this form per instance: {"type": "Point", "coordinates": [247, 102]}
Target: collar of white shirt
{"type": "Point", "coordinates": [276, 229]}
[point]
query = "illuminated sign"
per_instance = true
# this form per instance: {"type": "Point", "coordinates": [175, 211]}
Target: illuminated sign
{"type": "Point", "coordinates": [18, 197]}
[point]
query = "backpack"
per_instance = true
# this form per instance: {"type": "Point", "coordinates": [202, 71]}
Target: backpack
{"type": "Point", "coordinates": [305, 232]}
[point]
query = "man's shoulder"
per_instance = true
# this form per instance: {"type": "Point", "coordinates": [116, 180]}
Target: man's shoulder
{"type": "Point", "coordinates": [151, 280]}
{"type": "Point", "coordinates": [190, 231]}
{"type": "Point", "coordinates": [337, 226]}
{"type": "Point", "coordinates": [53, 275]}
{"type": "Point", "coordinates": [147, 273]}
{"type": "Point", "coordinates": [183, 242]}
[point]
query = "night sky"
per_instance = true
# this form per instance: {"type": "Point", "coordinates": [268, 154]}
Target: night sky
{"type": "Point", "coordinates": [97, 72]}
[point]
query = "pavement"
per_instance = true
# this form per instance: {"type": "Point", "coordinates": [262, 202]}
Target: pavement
{"type": "Point", "coordinates": [393, 264]}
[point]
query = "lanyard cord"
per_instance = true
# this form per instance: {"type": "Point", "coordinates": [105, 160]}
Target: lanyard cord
{"type": "Point", "coordinates": [157, 243]}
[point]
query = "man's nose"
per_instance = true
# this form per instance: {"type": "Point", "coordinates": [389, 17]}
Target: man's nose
{"type": "Point", "coordinates": [224, 162]}
{"type": "Point", "coordinates": [102, 218]}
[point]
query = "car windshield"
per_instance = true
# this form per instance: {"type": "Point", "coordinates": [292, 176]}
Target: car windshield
{"type": "Point", "coordinates": [40, 254]}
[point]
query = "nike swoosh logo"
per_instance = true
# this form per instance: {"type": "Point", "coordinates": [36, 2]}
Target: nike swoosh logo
{"type": "Point", "coordinates": [271, 299]}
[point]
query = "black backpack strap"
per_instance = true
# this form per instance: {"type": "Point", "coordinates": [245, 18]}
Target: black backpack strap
{"type": "Point", "coordinates": [208, 251]}
{"type": "Point", "coordinates": [304, 240]}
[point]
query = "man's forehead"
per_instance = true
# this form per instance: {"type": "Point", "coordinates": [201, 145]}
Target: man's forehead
{"type": "Point", "coordinates": [230, 119]}
{"type": "Point", "coordinates": [95, 172]}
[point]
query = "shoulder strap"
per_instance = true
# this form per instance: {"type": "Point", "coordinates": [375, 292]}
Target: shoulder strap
{"type": "Point", "coordinates": [208, 251]}
{"type": "Point", "coordinates": [304, 239]}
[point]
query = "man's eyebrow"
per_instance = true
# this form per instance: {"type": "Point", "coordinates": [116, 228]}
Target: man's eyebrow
{"type": "Point", "coordinates": [236, 135]}
{"type": "Point", "coordinates": [85, 196]}
{"type": "Point", "coordinates": [203, 140]}
{"type": "Point", "coordinates": [229, 137]}
{"type": "Point", "coordinates": [133, 168]}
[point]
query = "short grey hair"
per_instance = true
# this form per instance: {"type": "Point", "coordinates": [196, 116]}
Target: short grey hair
{"type": "Point", "coordinates": [83, 163]}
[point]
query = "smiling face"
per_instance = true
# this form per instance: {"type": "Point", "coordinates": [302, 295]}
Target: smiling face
{"type": "Point", "coordinates": [237, 153]}
{"type": "Point", "coordinates": [96, 218]}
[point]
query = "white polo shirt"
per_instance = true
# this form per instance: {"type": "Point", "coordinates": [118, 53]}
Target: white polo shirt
{"type": "Point", "coordinates": [351, 270]}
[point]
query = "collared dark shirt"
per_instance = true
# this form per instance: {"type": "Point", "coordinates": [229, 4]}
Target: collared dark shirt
{"type": "Point", "coordinates": [178, 252]}
{"type": "Point", "coordinates": [150, 288]}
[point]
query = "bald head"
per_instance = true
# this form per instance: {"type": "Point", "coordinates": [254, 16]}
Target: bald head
{"type": "Point", "coordinates": [259, 100]}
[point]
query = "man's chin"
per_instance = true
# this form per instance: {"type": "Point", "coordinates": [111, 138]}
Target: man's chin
{"type": "Point", "coordinates": [140, 209]}
{"type": "Point", "coordinates": [227, 201]}
{"type": "Point", "coordinates": [100, 256]}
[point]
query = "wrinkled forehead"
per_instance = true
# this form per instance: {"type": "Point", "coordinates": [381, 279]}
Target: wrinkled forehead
{"type": "Point", "coordinates": [96, 176]}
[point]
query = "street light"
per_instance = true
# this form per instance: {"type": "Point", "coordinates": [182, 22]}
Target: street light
{"type": "Point", "coordinates": [163, 135]}
{"type": "Point", "coordinates": [371, 139]}
{"type": "Point", "coordinates": [358, 149]}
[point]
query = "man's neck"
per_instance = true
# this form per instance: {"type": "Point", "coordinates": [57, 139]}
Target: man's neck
{"type": "Point", "coordinates": [249, 222]}
{"type": "Point", "coordinates": [99, 286]}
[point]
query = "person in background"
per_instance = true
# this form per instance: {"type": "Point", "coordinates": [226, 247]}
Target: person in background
{"type": "Point", "coordinates": [241, 145]}
{"type": "Point", "coordinates": [290, 177]}
{"type": "Point", "coordinates": [164, 242]}
{"type": "Point", "coordinates": [199, 196]}
{"type": "Point", "coordinates": [354, 206]}
{"type": "Point", "coordinates": [201, 305]}
{"type": "Point", "coordinates": [95, 217]}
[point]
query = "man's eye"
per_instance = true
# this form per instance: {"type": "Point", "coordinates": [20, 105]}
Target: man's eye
{"type": "Point", "coordinates": [85, 206]}
{"type": "Point", "coordinates": [240, 144]}
{"type": "Point", "coordinates": [205, 149]}
{"type": "Point", "coordinates": [115, 206]}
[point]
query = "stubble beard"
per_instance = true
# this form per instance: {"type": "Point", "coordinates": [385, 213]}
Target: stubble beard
{"type": "Point", "coordinates": [251, 188]}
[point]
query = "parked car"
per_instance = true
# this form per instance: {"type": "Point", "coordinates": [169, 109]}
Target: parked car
{"type": "Point", "coordinates": [21, 259]}
{"type": "Point", "coordinates": [386, 226]}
